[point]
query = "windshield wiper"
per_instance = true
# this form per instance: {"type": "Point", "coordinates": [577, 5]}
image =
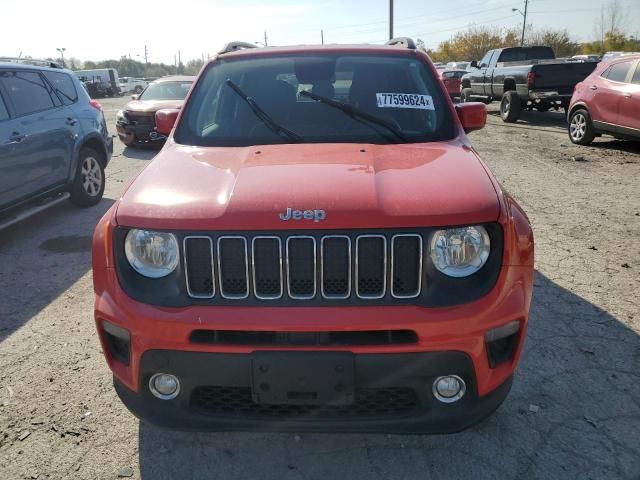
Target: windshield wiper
{"type": "Point", "coordinates": [264, 116]}
{"type": "Point", "coordinates": [354, 112]}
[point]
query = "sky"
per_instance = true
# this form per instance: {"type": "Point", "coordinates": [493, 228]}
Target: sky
{"type": "Point", "coordinates": [199, 28]}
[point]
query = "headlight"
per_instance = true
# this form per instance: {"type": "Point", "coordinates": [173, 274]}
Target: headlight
{"type": "Point", "coordinates": [152, 254]}
{"type": "Point", "coordinates": [460, 252]}
{"type": "Point", "coordinates": [120, 117]}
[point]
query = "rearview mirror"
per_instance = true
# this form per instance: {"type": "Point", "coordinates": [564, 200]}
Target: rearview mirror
{"type": "Point", "coordinates": [474, 64]}
{"type": "Point", "coordinates": [134, 97]}
{"type": "Point", "coordinates": [472, 115]}
{"type": "Point", "coordinates": [166, 119]}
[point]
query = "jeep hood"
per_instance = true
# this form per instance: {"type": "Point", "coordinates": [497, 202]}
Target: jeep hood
{"type": "Point", "coordinates": [358, 186]}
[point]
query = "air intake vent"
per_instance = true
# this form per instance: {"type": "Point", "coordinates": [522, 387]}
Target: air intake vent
{"type": "Point", "coordinates": [199, 266]}
{"type": "Point", "coordinates": [336, 266]}
{"type": "Point", "coordinates": [233, 268]}
{"type": "Point", "coordinates": [267, 267]}
{"type": "Point", "coordinates": [371, 266]}
{"type": "Point", "coordinates": [301, 267]}
{"type": "Point", "coordinates": [406, 265]}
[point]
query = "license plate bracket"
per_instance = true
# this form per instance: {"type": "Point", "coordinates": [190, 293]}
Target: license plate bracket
{"type": "Point", "coordinates": [303, 378]}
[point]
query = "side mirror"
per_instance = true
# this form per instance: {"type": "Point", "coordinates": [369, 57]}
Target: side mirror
{"type": "Point", "coordinates": [134, 97]}
{"type": "Point", "coordinates": [472, 115]}
{"type": "Point", "coordinates": [474, 64]}
{"type": "Point", "coordinates": [166, 119]}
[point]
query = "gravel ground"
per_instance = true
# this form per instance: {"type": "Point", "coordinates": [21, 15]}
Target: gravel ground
{"type": "Point", "coordinates": [574, 411]}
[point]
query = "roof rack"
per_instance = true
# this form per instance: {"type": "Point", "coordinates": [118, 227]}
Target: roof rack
{"type": "Point", "coordinates": [234, 46]}
{"type": "Point", "coordinates": [31, 61]}
{"type": "Point", "coordinates": [403, 41]}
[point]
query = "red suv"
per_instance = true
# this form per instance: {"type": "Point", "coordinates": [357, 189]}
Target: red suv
{"type": "Point", "coordinates": [607, 102]}
{"type": "Point", "coordinates": [317, 246]}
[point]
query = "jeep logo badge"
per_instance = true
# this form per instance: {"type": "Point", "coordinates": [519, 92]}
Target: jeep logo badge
{"type": "Point", "coordinates": [315, 215]}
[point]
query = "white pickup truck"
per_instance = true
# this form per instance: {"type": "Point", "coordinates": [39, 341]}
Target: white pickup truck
{"type": "Point", "coordinates": [132, 85]}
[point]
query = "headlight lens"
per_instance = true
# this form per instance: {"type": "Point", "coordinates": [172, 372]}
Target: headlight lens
{"type": "Point", "coordinates": [120, 117]}
{"type": "Point", "coordinates": [460, 252]}
{"type": "Point", "coordinates": [152, 254]}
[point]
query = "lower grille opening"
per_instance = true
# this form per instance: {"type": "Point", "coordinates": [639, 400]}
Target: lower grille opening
{"type": "Point", "coordinates": [293, 339]}
{"type": "Point", "coordinates": [368, 402]}
{"type": "Point", "coordinates": [502, 350]}
{"type": "Point", "coordinates": [118, 348]}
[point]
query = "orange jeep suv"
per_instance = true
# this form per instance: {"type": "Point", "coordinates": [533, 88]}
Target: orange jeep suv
{"type": "Point", "coordinates": [317, 247]}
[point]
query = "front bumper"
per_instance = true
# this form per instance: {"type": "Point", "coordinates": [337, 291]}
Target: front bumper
{"type": "Point", "coordinates": [393, 395]}
{"type": "Point", "coordinates": [141, 133]}
{"type": "Point", "coordinates": [450, 340]}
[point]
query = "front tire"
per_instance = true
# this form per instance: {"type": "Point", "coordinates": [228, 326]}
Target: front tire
{"type": "Point", "coordinates": [88, 186]}
{"type": "Point", "coordinates": [581, 128]}
{"type": "Point", "coordinates": [510, 107]}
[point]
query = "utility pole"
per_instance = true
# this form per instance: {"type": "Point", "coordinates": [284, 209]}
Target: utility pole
{"type": "Point", "coordinates": [321, 37]}
{"type": "Point", "coordinates": [265, 39]}
{"type": "Point", "coordinates": [390, 19]}
{"type": "Point", "coordinates": [146, 60]}
{"type": "Point", "coordinates": [524, 22]}
{"type": "Point", "coordinates": [524, 19]}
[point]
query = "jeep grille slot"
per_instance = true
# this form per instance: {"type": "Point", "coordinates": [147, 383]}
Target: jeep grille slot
{"type": "Point", "coordinates": [301, 267]}
{"type": "Point", "coordinates": [267, 267]}
{"type": "Point", "coordinates": [371, 266]}
{"type": "Point", "coordinates": [198, 266]}
{"type": "Point", "coordinates": [406, 265]}
{"type": "Point", "coordinates": [335, 254]}
{"type": "Point", "coordinates": [233, 269]}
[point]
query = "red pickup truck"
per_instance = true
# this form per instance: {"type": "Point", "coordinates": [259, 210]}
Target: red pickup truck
{"type": "Point", "coordinates": [317, 247]}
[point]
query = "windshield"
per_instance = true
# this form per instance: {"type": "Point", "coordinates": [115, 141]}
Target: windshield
{"type": "Point", "coordinates": [166, 91]}
{"type": "Point", "coordinates": [382, 93]}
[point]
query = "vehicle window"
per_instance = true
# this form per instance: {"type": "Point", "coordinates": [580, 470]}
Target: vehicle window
{"type": "Point", "coordinates": [4, 114]}
{"type": "Point", "coordinates": [217, 115]}
{"type": "Point", "coordinates": [166, 91]}
{"type": "Point", "coordinates": [618, 72]}
{"type": "Point", "coordinates": [27, 91]}
{"type": "Point", "coordinates": [527, 53]}
{"type": "Point", "coordinates": [63, 85]}
{"type": "Point", "coordinates": [486, 59]}
{"type": "Point", "coordinates": [636, 76]}
{"type": "Point", "coordinates": [457, 74]}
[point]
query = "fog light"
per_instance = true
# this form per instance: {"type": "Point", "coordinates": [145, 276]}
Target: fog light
{"type": "Point", "coordinates": [164, 386]}
{"type": "Point", "coordinates": [449, 389]}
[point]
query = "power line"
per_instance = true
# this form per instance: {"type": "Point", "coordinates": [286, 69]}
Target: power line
{"type": "Point", "coordinates": [450, 29]}
{"type": "Point", "coordinates": [441, 20]}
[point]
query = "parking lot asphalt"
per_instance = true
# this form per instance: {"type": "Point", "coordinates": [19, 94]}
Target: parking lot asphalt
{"type": "Point", "coordinates": [574, 410]}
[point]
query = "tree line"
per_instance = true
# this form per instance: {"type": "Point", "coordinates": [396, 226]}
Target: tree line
{"type": "Point", "coordinates": [609, 31]}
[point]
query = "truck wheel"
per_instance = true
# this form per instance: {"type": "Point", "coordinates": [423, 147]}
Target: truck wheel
{"type": "Point", "coordinates": [465, 95]}
{"type": "Point", "coordinates": [88, 186]}
{"type": "Point", "coordinates": [580, 127]}
{"type": "Point", "coordinates": [510, 107]}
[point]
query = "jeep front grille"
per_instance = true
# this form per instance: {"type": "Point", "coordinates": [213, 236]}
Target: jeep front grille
{"type": "Point", "coordinates": [304, 267]}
